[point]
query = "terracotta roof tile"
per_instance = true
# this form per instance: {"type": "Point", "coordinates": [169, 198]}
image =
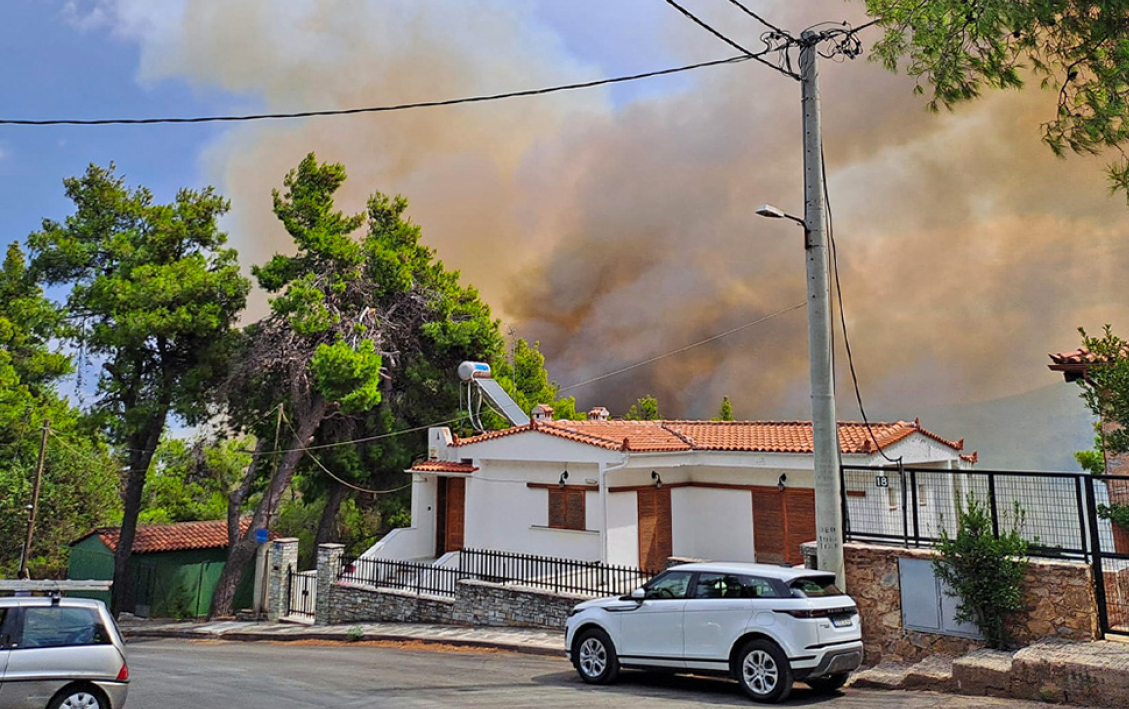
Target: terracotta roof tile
{"type": "Point", "coordinates": [440, 466]}
{"type": "Point", "coordinates": [210, 534]}
{"type": "Point", "coordinates": [752, 436]}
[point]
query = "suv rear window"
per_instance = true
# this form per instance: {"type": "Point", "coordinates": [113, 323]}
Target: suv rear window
{"type": "Point", "coordinates": [815, 587]}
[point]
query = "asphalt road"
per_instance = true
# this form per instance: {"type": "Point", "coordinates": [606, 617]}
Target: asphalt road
{"type": "Point", "coordinates": [179, 674]}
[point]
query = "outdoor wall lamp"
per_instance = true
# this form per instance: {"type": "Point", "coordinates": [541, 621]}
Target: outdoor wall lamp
{"type": "Point", "coordinates": [657, 478]}
{"type": "Point", "coordinates": [780, 481]}
{"type": "Point", "coordinates": [563, 479]}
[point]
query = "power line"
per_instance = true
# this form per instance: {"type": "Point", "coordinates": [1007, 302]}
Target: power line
{"type": "Point", "coordinates": [758, 18]}
{"type": "Point", "coordinates": [330, 473]}
{"type": "Point", "coordinates": [757, 56]}
{"type": "Point", "coordinates": [680, 350]}
{"type": "Point", "coordinates": [395, 107]}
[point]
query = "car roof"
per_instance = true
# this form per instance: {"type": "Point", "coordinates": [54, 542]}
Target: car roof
{"type": "Point", "coordinates": [783, 573]}
{"type": "Point", "coordinates": [17, 601]}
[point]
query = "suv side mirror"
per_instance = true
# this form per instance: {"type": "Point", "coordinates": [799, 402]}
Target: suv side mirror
{"type": "Point", "coordinates": [638, 594]}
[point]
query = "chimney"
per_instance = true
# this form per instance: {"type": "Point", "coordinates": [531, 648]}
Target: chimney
{"type": "Point", "coordinates": [599, 413]}
{"type": "Point", "coordinates": [542, 412]}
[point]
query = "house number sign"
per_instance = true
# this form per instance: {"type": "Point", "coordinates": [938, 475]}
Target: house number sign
{"type": "Point", "coordinates": [881, 481]}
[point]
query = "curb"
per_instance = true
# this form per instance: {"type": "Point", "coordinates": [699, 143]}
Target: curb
{"type": "Point", "coordinates": [244, 636]}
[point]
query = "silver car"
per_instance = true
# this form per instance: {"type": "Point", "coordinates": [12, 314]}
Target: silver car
{"type": "Point", "coordinates": [60, 653]}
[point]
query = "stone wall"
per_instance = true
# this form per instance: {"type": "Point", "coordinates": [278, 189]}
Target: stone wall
{"type": "Point", "coordinates": [481, 603]}
{"type": "Point", "coordinates": [351, 603]}
{"type": "Point", "coordinates": [1059, 603]}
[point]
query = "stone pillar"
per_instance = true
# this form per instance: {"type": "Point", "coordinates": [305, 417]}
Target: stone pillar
{"type": "Point", "coordinates": [329, 567]}
{"type": "Point", "coordinates": [282, 558]}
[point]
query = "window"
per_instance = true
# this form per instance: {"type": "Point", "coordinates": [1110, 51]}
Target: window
{"type": "Point", "coordinates": [815, 587]}
{"type": "Point", "coordinates": [53, 626]}
{"type": "Point", "coordinates": [566, 508]}
{"type": "Point", "coordinates": [732, 586]}
{"type": "Point", "coordinates": [672, 584]}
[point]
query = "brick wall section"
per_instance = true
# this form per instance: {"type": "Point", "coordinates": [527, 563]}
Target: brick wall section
{"type": "Point", "coordinates": [281, 558]}
{"type": "Point", "coordinates": [1059, 603]}
{"type": "Point", "coordinates": [350, 603]}
{"type": "Point", "coordinates": [480, 603]}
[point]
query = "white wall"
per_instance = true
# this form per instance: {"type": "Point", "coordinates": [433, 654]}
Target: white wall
{"type": "Point", "coordinates": [503, 513]}
{"type": "Point", "coordinates": [712, 524]}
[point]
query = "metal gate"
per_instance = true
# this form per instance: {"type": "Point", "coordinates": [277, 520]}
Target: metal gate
{"type": "Point", "coordinates": [1110, 551]}
{"type": "Point", "coordinates": [302, 592]}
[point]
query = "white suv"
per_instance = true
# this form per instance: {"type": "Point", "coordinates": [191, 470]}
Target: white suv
{"type": "Point", "coordinates": [764, 625]}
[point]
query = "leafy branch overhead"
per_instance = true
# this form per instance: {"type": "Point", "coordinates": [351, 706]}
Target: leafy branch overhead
{"type": "Point", "coordinates": [1077, 48]}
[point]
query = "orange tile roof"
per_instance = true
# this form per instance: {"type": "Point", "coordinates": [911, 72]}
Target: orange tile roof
{"type": "Point", "coordinates": [751, 436]}
{"type": "Point", "coordinates": [210, 534]}
{"type": "Point", "coordinates": [440, 466]}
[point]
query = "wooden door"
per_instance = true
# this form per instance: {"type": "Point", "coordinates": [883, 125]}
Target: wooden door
{"type": "Point", "coordinates": [782, 521]}
{"type": "Point", "coordinates": [451, 508]}
{"type": "Point", "coordinates": [656, 538]}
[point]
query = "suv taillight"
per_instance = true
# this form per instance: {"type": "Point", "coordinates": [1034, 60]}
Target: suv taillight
{"type": "Point", "coordinates": [820, 612]}
{"type": "Point", "coordinates": [123, 673]}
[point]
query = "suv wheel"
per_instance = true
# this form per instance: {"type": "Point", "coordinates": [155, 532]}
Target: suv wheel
{"type": "Point", "coordinates": [595, 657]}
{"type": "Point", "coordinates": [79, 697]}
{"type": "Point", "coordinates": [763, 671]}
{"type": "Point", "coordinates": [828, 684]}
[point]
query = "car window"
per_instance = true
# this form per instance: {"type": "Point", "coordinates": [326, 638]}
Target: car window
{"type": "Point", "coordinates": [815, 587]}
{"type": "Point", "coordinates": [672, 584]}
{"type": "Point", "coordinates": [57, 626]}
{"type": "Point", "coordinates": [717, 585]}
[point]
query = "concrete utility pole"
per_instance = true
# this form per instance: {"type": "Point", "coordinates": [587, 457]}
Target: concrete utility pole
{"type": "Point", "coordinates": [825, 429]}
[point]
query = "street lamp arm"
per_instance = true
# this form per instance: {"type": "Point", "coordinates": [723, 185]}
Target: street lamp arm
{"type": "Point", "coordinates": [767, 210]}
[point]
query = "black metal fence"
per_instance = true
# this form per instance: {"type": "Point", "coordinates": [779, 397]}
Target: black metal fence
{"type": "Point", "coordinates": [913, 505]}
{"type": "Point", "coordinates": [301, 590]}
{"type": "Point", "coordinates": [551, 573]}
{"type": "Point", "coordinates": [406, 575]}
{"type": "Point", "coordinates": [555, 574]}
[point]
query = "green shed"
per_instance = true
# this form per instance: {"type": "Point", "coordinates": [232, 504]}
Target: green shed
{"type": "Point", "coordinates": [173, 570]}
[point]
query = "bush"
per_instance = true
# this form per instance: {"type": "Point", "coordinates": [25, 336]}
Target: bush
{"type": "Point", "coordinates": [985, 572]}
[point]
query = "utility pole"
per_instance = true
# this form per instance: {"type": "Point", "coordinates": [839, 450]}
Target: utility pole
{"type": "Point", "coordinates": [23, 572]}
{"type": "Point", "coordinates": [825, 429]}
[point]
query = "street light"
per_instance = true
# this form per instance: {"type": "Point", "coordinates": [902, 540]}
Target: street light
{"type": "Point", "coordinates": [767, 210]}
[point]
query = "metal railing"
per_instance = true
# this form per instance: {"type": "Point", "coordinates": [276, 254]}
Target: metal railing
{"type": "Point", "coordinates": [406, 575]}
{"type": "Point", "coordinates": [1051, 511]}
{"type": "Point", "coordinates": [559, 575]}
{"type": "Point", "coordinates": [592, 578]}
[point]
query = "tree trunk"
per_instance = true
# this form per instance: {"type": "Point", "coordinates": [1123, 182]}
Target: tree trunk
{"type": "Point", "coordinates": [142, 446]}
{"type": "Point", "coordinates": [243, 550]}
{"type": "Point", "coordinates": [334, 496]}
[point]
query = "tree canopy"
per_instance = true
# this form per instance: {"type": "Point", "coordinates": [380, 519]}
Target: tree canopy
{"type": "Point", "coordinates": [1077, 48]}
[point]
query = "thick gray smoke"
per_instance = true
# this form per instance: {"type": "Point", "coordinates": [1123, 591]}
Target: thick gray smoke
{"type": "Point", "coordinates": [614, 230]}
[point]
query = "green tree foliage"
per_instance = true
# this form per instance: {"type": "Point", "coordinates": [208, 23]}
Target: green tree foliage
{"type": "Point", "coordinates": [725, 413]}
{"type": "Point", "coordinates": [985, 572]}
{"type": "Point", "coordinates": [152, 294]}
{"type": "Point", "coordinates": [644, 409]}
{"type": "Point", "coordinates": [1077, 48]}
{"type": "Point", "coordinates": [362, 342]}
{"type": "Point", "coordinates": [191, 480]}
{"type": "Point", "coordinates": [80, 480]}
{"type": "Point", "coordinates": [1105, 389]}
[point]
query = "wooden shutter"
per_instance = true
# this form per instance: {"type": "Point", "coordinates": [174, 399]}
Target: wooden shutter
{"type": "Point", "coordinates": [769, 523]}
{"type": "Point", "coordinates": [799, 509]}
{"type": "Point", "coordinates": [566, 508]}
{"type": "Point", "coordinates": [456, 513]}
{"type": "Point", "coordinates": [655, 528]}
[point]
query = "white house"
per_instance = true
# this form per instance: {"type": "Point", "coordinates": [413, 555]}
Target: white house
{"type": "Point", "coordinates": [634, 493]}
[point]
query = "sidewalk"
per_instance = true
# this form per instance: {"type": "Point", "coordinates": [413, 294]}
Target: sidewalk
{"type": "Point", "coordinates": [524, 640]}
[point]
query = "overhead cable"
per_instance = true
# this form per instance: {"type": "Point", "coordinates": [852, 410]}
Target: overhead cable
{"type": "Point", "coordinates": [758, 18]}
{"type": "Point", "coordinates": [390, 108]}
{"type": "Point", "coordinates": [704, 25]}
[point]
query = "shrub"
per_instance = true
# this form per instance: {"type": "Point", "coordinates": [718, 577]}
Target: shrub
{"type": "Point", "coordinates": [985, 572]}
